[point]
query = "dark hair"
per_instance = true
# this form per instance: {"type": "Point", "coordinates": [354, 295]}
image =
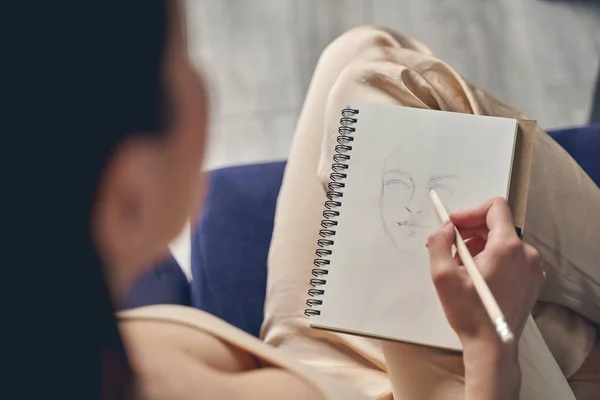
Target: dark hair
{"type": "Point", "coordinates": [85, 74]}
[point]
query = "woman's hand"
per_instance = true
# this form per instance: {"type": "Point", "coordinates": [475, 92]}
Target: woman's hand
{"type": "Point", "coordinates": [512, 270]}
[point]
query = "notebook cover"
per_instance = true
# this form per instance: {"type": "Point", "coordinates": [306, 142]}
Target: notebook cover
{"type": "Point", "coordinates": [521, 173]}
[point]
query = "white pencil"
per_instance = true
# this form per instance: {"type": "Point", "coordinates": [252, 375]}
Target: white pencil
{"type": "Point", "coordinates": [488, 300]}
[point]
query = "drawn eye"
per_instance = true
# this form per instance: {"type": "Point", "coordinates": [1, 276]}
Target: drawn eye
{"type": "Point", "coordinates": [441, 182]}
{"type": "Point", "coordinates": [438, 186]}
{"type": "Point", "coordinates": [396, 182]}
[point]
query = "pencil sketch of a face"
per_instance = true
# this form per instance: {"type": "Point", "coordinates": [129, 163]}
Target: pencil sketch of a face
{"type": "Point", "coordinates": [406, 210]}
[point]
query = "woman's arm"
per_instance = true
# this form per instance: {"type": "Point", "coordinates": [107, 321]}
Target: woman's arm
{"type": "Point", "coordinates": [491, 372]}
{"type": "Point", "coordinates": [176, 363]}
{"type": "Point", "coordinates": [514, 274]}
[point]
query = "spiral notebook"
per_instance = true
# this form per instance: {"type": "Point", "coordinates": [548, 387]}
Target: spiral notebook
{"type": "Point", "coordinates": [371, 275]}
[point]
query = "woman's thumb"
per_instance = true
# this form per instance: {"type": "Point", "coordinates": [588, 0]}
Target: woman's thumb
{"type": "Point", "coordinates": [444, 269]}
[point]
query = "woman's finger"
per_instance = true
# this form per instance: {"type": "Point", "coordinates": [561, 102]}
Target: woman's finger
{"type": "Point", "coordinates": [475, 246]}
{"type": "Point", "coordinates": [468, 233]}
{"type": "Point", "coordinates": [444, 270]}
{"type": "Point", "coordinates": [494, 213]}
{"type": "Point", "coordinates": [473, 218]}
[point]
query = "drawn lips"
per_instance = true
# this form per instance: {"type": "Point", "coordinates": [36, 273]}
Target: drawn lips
{"type": "Point", "coordinates": [410, 223]}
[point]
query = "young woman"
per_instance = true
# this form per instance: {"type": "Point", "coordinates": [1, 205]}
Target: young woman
{"type": "Point", "coordinates": [112, 121]}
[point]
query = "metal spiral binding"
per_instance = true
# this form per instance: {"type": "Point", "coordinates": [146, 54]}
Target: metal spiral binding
{"type": "Point", "coordinates": [334, 195]}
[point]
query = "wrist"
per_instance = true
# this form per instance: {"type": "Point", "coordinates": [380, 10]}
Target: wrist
{"type": "Point", "coordinates": [491, 370]}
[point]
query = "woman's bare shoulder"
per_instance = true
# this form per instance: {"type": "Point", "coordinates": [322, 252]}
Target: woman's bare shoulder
{"type": "Point", "coordinates": [172, 362]}
{"type": "Point", "coordinates": [164, 375]}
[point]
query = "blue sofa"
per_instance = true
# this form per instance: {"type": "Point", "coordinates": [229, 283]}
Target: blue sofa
{"type": "Point", "coordinates": [230, 241]}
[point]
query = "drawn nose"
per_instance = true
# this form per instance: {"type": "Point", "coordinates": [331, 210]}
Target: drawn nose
{"type": "Point", "coordinates": [413, 211]}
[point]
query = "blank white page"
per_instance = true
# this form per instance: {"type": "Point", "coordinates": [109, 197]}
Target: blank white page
{"type": "Point", "coordinates": [378, 281]}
